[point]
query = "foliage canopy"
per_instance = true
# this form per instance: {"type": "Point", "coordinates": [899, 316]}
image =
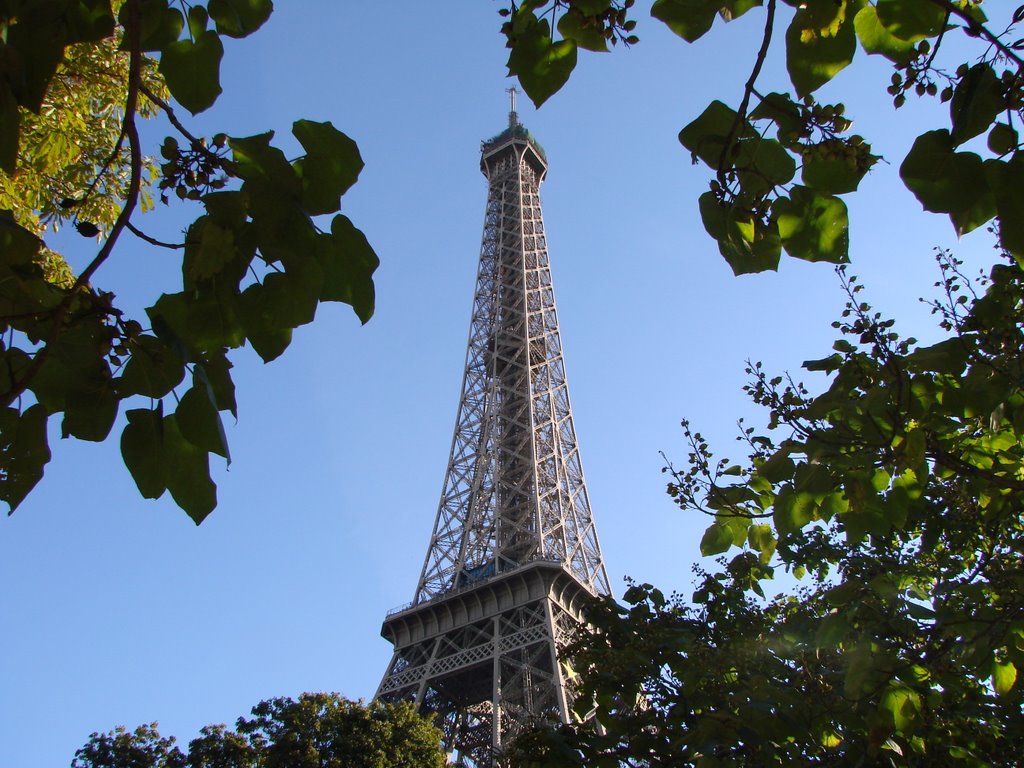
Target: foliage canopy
{"type": "Point", "coordinates": [256, 262]}
{"type": "Point", "coordinates": [894, 495]}
{"type": "Point", "coordinates": [315, 730]}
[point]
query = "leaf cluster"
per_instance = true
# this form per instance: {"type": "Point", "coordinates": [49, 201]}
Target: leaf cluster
{"type": "Point", "coordinates": [756, 207]}
{"type": "Point", "coordinates": [896, 495]}
{"type": "Point", "coordinates": [317, 729]}
{"type": "Point", "coordinates": [256, 262]}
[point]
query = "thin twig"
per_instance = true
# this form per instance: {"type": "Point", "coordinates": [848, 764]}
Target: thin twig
{"type": "Point", "coordinates": [980, 29]}
{"type": "Point", "coordinates": [151, 240]}
{"type": "Point", "coordinates": [741, 115]}
{"type": "Point", "coordinates": [173, 118]}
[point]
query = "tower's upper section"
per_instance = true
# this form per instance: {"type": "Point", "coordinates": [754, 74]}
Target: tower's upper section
{"type": "Point", "coordinates": [514, 139]}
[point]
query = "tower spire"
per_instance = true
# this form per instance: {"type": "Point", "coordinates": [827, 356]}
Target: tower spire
{"type": "Point", "coordinates": [513, 118]}
{"type": "Point", "coordinates": [514, 554]}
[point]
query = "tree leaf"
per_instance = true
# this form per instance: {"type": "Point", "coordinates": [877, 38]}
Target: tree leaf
{"type": "Point", "coordinates": [976, 103]}
{"type": "Point", "coordinates": [833, 176]}
{"type": "Point", "coordinates": [706, 136]}
{"type": "Point", "coordinates": [89, 413]}
{"type": "Point", "coordinates": [747, 245]}
{"type": "Point", "coordinates": [330, 167]}
{"type": "Point", "coordinates": [143, 452]}
{"type": "Point", "coordinates": [1002, 139]}
{"type": "Point", "coordinates": [160, 25]}
{"type": "Point", "coordinates": [820, 43]}
{"type": "Point", "coordinates": [262, 309]}
{"type": "Point", "coordinates": [24, 452]}
{"type": "Point", "coordinates": [348, 263]}
{"type": "Point", "coordinates": [542, 66]}
{"type": "Point", "coordinates": [153, 370]}
{"type": "Point", "coordinates": [239, 18]}
{"type": "Point", "coordinates": [689, 19]}
{"type": "Point", "coordinates": [200, 422]}
{"type": "Point", "coordinates": [1004, 677]}
{"type": "Point", "coordinates": [950, 182]}
{"type": "Point", "coordinates": [1008, 180]}
{"type": "Point", "coordinates": [910, 20]}
{"type": "Point", "coordinates": [763, 164]}
{"type": "Point", "coordinates": [256, 159]}
{"type": "Point", "coordinates": [813, 226]}
{"type": "Point", "coordinates": [876, 39]}
{"type": "Point", "coordinates": [187, 470]}
{"type": "Point", "coordinates": [574, 26]}
{"type": "Point", "coordinates": [717, 539]}
{"type": "Point", "coordinates": [901, 706]}
{"type": "Point", "coordinates": [10, 125]}
{"type": "Point", "coordinates": [214, 372]}
{"type": "Point", "coordinates": [192, 70]}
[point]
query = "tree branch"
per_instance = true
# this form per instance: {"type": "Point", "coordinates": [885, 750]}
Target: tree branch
{"type": "Point", "coordinates": [980, 30]}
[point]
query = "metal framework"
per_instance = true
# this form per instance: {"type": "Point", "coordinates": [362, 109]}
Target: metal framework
{"type": "Point", "coordinates": [514, 552]}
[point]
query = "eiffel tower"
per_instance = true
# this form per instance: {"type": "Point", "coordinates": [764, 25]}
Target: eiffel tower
{"type": "Point", "coordinates": [514, 554]}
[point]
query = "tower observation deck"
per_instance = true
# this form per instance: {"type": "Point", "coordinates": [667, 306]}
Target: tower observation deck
{"type": "Point", "coordinates": [514, 553]}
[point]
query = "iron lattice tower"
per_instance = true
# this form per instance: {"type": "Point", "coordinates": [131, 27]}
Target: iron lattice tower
{"type": "Point", "coordinates": [514, 552]}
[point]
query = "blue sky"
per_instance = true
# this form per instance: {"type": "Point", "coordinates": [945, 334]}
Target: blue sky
{"type": "Point", "coordinates": [118, 610]}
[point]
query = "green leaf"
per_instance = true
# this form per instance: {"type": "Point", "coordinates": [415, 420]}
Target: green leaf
{"type": "Point", "coordinates": [89, 413]}
{"type": "Point", "coordinates": [330, 167]}
{"type": "Point", "coordinates": [911, 20]}
{"type": "Point", "coordinates": [239, 18]}
{"type": "Point", "coordinates": [792, 511]}
{"type": "Point", "coordinates": [876, 39]}
{"type": "Point", "coordinates": [196, 324]}
{"type": "Point", "coordinates": [949, 356]}
{"type": "Point", "coordinates": [215, 372]}
{"type": "Point", "coordinates": [192, 70]}
{"type": "Point", "coordinates": [786, 115]}
{"type": "Point", "coordinates": [717, 539]}
{"type": "Point", "coordinates": [197, 20]}
{"type": "Point", "coordinates": [763, 164]}
{"type": "Point", "coordinates": [748, 245]}
{"type": "Point", "coordinates": [142, 450]}
{"type": "Point", "coordinates": [187, 469]}
{"type": "Point", "coordinates": [200, 422]}
{"type": "Point", "coordinates": [10, 125]}
{"type": "Point", "coordinates": [160, 25]}
{"type": "Point", "coordinates": [976, 103]}
{"type": "Point", "coordinates": [36, 43]}
{"type": "Point", "coordinates": [24, 452]}
{"type": "Point", "coordinates": [833, 176]}
{"type": "Point", "coordinates": [348, 263]}
{"type": "Point", "coordinates": [689, 19]}
{"type": "Point", "coordinates": [820, 43]}
{"type": "Point", "coordinates": [586, 33]}
{"type": "Point", "coordinates": [261, 308]}
{"type": "Point", "coordinates": [255, 158]}
{"type": "Point", "coordinates": [761, 537]}
{"type": "Point", "coordinates": [1004, 676]}
{"type": "Point", "coordinates": [901, 707]}
{"type": "Point", "coordinates": [706, 136]}
{"type": "Point", "coordinates": [950, 182]}
{"type": "Point", "coordinates": [813, 226]}
{"type": "Point", "coordinates": [1008, 180]}
{"type": "Point", "coordinates": [542, 66]}
{"type": "Point", "coordinates": [153, 370]}
{"type": "Point", "coordinates": [1002, 139]}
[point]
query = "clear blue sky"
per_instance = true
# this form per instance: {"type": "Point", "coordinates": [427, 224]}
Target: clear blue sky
{"type": "Point", "coordinates": [117, 610]}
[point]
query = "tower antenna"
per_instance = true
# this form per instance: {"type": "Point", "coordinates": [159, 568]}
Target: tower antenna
{"type": "Point", "coordinates": [513, 118]}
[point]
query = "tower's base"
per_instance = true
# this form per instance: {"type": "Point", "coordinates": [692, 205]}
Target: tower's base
{"type": "Point", "coordinates": [484, 657]}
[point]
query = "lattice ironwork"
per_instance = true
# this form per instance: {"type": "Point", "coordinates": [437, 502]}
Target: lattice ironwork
{"type": "Point", "coordinates": [514, 549]}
